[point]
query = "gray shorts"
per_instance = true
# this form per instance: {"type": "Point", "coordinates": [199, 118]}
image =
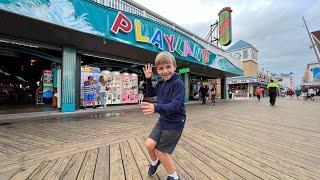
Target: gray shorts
{"type": "Point", "coordinates": [166, 139]}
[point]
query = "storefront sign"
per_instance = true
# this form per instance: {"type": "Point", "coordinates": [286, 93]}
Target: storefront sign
{"type": "Point", "coordinates": [160, 38]}
{"type": "Point", "coordinates": [242, 81]}
{"type": "Point", "coordinates": [225, 34]}
{"type": "Point", "coordinates": [184, 70]}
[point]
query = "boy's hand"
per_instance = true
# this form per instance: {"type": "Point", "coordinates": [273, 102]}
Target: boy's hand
{"type": "Point", "coordinates": [147, 69]}
{"type": "Point", "coordinates": [147, 108]}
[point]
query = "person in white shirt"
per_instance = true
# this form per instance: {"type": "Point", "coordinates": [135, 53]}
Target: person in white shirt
{"type": "Point", "coordinates": [311, 93]}
{"type": "Point", "coordinates": [102, 91]}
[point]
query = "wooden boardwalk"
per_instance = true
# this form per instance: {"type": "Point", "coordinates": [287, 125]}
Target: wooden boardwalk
{"type": "Point", "coordinates": [232, 140]}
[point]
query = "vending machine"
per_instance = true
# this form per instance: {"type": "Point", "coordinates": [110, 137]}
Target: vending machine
{"type": "Point", "coordinates": [116, 87]}
{"type": "Point", "coordinates": [107, 75]}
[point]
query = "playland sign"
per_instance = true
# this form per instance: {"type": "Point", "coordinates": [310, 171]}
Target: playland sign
{"type": "Point", "coordinates": [157, 37]}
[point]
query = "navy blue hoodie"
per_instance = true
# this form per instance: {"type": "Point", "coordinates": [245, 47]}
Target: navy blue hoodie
{"type": "Point", "coordinates": [170, 95]}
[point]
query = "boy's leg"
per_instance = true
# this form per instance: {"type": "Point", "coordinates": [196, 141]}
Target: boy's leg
{"type": "Point", "coordinates": [166, 145]}
{"type": "Point", "coordinates": [166, 161]}
{"type": "Point", "coordinates": [151, 144]}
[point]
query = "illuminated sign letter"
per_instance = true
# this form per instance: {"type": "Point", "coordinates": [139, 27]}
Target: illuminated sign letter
{"type": "Point", "coordinates": [205, 56]}
{"type": "Point", "coordinates": [157, 38]}
{"type": "Point", "coordinates": [170, 41]}
{"type": "Point", "coordinates": [139, 36]}
{"type": "Point", "coordinates": [121, 23]}
{"type": "Point", "coordinates": [187, 49]}
{"type": "Point", "coordinates": [179, 46]}
{"type": "Point", "coordinates": [197, 52]}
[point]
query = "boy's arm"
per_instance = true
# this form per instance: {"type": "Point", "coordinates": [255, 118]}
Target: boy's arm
{"type": "Point", "coordinates": [176, 100]}
{"type": "Point", "coordinates": [150, 90]}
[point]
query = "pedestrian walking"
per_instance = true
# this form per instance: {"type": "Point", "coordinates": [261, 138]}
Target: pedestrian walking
{"type": "Point", "coordinates": [258, 92]}
{"type": "Point", "coordinates": [203, 91]}
{"type": "Point", "coordinates": [167, 131]}
{"type": "Point", "coordinates": [213, 95]}
{"type": "Point", "coordinates": [297, 92]}
{"type": "Point", "coordinates": [273, 89]}
{"type": "Point", "coordinates": [311, 93]}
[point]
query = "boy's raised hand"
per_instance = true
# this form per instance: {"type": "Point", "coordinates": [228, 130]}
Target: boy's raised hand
{"type": "Point", "coordinates": [147, 108]}
{"type": "Point", "coordinates": [147, 69]}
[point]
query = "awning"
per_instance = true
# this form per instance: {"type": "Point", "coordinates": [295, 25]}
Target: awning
{"type": "Point", "coordinates": [311, 84]}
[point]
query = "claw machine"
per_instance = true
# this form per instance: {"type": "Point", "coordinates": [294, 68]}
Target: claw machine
{"type": "Point", "coordinates": [126, 86]}
{"type": "Point", "coordinates": [116, 87]}
{"type": "Point", "coordinates": [134, 88]}
{"type": "Point", "coordinates": [107, 75]}
{"type": "Point", "coordinates": [129, 91]}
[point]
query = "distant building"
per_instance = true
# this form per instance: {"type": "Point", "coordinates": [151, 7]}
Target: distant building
{"type": "Point", "coordinates": [311, 76]}
{"type": "Point", "coordinates": [288, 80]}
{"type": "Point", "coordinates": [245, 86]}
{"type": "Point", "coordinates": [247, 54]}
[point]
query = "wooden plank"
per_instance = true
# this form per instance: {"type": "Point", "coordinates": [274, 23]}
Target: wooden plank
{"type": "Point", "coordinates": [56, 171]}
{"type": "Point", "coordinates": [256, 154]}
{"type": "Point", "coordinates": [236, 158]}
{"type": "Point", "coordinates": [24, 172]}
{"type": "Point", "coordinates": [161, 172]}
{"type": "Point", "coordinates": [73, 167]}
{"type": "Point", "coordinates": [22, 139]}
{"type": "Point", "coordinates": [203, 167]}
{"type": "Point", "coordinates": [188, 166]}
{"type": "Point", "coordinates": [88, 165]}
{"type": "Point", "coordinates": [42, 170]}
{"type": "Point", "coordinates": [103, 164]}
{"type": "Point", "coordinates": [116, 168]}
{"type": "Point", "coordinates": [26, 135]}
{"type": "Point", "coordinates": [129, 163]}
{"type": "Point", "coordinates": [141, 159]}
{"type": "Point", "coordinates": [21, 146]}
{"type": "Point", "coordinates": [46, 154]}
{"type": "Point", "coordinates": [7, 149]}
{"type": "Point", "coordinates": [7, 175]}
{"type": "Point", "coordinates": [271, 148]}
{"type": "Point", "coordinates": [276, 138]}
{"type": "Point", "coordinates": [221, 168]}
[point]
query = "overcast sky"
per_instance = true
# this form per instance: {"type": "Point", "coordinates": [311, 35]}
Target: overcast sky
{"type": "Point", "coordinates": [273, 27]}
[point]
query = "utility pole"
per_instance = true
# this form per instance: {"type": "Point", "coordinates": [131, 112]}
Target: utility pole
{"type": "Point", "coordinates": [313, 44]}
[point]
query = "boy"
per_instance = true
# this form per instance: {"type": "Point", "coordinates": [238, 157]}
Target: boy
{"type": "Point", "coordinates": [167, 131]}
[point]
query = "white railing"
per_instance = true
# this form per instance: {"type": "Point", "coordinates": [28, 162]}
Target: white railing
{"type": "Point", "coordinates": [130, 8]}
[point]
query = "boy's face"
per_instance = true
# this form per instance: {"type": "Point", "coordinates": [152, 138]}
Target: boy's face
{"type": "Point", "coordinates": [166, 71]}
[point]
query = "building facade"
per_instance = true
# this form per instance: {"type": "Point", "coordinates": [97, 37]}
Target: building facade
{"type": "Point", "coordinates": [53, 48]}
{"type": "Point", "coordinates": [245, 86]}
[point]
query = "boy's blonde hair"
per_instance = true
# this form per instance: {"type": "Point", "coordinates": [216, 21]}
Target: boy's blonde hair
{"type": "Point", "coordinates": [165, 57]}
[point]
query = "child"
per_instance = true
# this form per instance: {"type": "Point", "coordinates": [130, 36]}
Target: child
{"type": "Point", "coordinates": [167, 131]}
{"type": "Point", "coordinates": [213, 95]}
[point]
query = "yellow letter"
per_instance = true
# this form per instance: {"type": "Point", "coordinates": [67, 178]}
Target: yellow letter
{"type": "Point", "coordinates": [139, 36]}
